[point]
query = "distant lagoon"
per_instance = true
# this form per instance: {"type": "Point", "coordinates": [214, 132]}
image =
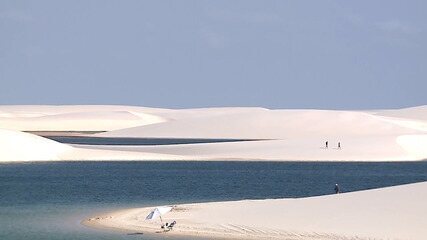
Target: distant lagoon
{"type": "Point", "coordinates": [48, 200]}
{"type": "Point", "coordinates": [127, 141]}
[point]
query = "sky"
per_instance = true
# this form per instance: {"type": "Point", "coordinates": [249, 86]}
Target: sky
{"type": "Point", "coordinates": [183, 54]}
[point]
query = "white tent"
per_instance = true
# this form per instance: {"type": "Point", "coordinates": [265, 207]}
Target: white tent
{"type": "Point", "coordinates": [158, 212]}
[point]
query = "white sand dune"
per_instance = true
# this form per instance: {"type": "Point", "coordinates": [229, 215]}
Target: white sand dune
{"type": "Point", "coordinates": [43, 110]}
{"type": "Point", "coordinates": [268, 124]}
{"type": "Point", "coordinates": [381, 135]}
{"type": "Point", "coordinates": [81, 121]}
{"type": "Point", "coordinates": [415, 113]}
{"type": "Point", "coordinates": [74, 118]}
{"type": "Point", "coordinates": [292, 134]}
{"type": "Point", "coordinates": [415, 145]}
{"type": "Point", "coordinates": [382, 148]}
{"type": "Point", "coordinates": [20, 146]}
{"type": "Point", "coordinates": [415, 117]}
{"type": "Point", "coordinates": [389, 213]}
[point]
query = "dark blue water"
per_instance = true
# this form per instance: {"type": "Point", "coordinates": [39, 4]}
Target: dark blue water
{"type": "Point", "coordinates": [139, 141]}
{"type": "Point", "coordinates": [48, 200]}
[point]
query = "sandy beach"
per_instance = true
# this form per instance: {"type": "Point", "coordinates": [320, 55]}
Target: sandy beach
{"type": "Point", "coordinates": [388, 213]}
{"type": "Point", "coordinates": [282, 135]}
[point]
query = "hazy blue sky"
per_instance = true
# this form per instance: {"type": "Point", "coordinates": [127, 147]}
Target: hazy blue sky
{"type": "Point", "coordinates": [276, 54]}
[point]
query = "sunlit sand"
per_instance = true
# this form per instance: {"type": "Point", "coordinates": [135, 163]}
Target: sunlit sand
{"type": "Point", "coordinates": [282, 135]}
{"type": "Point", "coordinates": [387, 213]}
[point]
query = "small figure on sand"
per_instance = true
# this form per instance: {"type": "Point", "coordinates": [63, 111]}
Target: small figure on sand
{"type": "Point", "coordinates": [326, 144]}
{"type": "Point", "coordinates": [337, 189]}
{"type": "Point", "coordinates": [339, 145]}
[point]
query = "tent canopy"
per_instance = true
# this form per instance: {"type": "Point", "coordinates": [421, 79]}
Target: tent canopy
{"type": "Point", "coordinates": [158, 212]}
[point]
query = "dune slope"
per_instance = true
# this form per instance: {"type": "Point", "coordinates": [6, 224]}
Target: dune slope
{"type": "Point", "coordinates": [19, 146]}
{"type": "Point", "coordinates": [75, 118]}
{"type": "Point", "coordinates": [268, 124]}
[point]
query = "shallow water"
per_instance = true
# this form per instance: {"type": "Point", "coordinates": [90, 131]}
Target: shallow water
{"type": "Point", "coordinates": [48, 200]}
{"type": "Point", "coordinates": [139, 141]}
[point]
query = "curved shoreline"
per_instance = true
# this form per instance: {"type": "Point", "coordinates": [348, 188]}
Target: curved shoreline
{"type": "Point", "coordinates": [387, 213]}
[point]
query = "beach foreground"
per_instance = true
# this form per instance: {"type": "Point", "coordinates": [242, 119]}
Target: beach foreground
{"type": "Point", "coordinates": [263, 134]}
{"type": "Point", "coordinates": [388, 213]}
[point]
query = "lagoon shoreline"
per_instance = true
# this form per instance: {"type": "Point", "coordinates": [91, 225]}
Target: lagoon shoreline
{"type": "Point", "coordinates": [387, 213]}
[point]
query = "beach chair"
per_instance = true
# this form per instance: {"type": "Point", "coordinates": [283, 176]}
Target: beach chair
{"type": "Point", "coordinates": [164, 226]}
{"type": "Point", "coordinates": [170, 227]}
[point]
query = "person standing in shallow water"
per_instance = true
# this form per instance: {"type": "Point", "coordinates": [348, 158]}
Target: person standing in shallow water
{"type": "Point", "coordinates": [339, 145]}
{"type": "Point", "coordinates": [337, 189]}
{"type": "Point", "coordinates": [326, 144]}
